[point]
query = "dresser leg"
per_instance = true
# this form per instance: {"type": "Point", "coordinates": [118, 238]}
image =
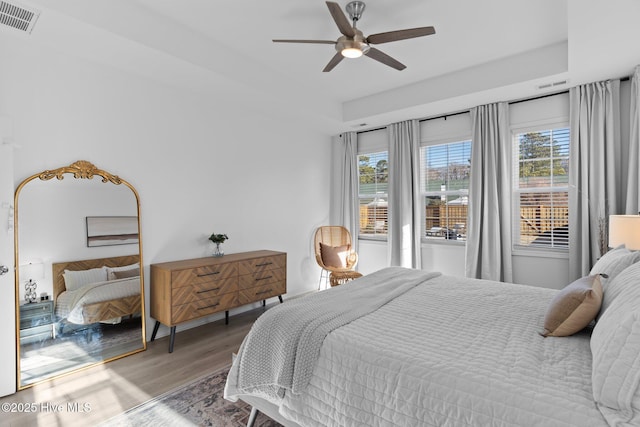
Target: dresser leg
{"type": "Point", "coordinates": [155, 330]}
{"type": "Point", "coordinates": [172, 339]}
{"type": "Point", "coordinates": [280, 298]}
{"type": "Point", "coordinates": [226, 317]}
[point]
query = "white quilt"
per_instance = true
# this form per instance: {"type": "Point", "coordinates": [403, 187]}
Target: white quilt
{"type": "Point", "coordinates": [450, 352]}
{"type": "Point", "coordinates": [69, 304]}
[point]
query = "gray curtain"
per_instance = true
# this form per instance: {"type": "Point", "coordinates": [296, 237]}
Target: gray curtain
{"type": "Point", "coordinates": [404, 194]}
{"type": "Point", "coordinates": [593, 180]}
{"type": "Point", "coordinates": [488, 249]}
{"type": "Point", "coordinates": [633, 177]}
{"type": "Point", "coordinates": [343, 206]}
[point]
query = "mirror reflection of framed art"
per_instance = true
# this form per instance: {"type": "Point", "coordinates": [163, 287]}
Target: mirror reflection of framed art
{"type": "Point", "coordinates": [112, 230]}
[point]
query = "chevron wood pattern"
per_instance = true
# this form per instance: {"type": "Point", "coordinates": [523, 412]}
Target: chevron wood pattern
{"type": "Point", "coordinates": [248, 281]}
{"type": "Point", "coordinates": [257, 293]}
{"type": "Point", "coordinates": [203, 307]}
{"type": "Point", "coordinates": [120, 307]}
{"type": "Point", "coordinates": [254, 265]}
{"type": "Point", "coordinates": [203, 274]}
{"type": "Point", "coordinates": [198, 291]}
{"type": "Point", "coordinates": [188, 289]}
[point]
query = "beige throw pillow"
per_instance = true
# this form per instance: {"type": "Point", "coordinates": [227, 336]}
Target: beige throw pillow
{"type": "Point", "coordinates": [111, 270]}
{"type": "Point", "coordinates": [574, 307]}
{"type": "Point", "coordinates": [334, 256]}
{"type": "Point", "coordinates": [125, 274]}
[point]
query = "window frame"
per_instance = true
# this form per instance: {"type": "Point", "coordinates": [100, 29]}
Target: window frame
{"type": "Point", "coordinates": [382, 237]}
{"type": "Point", "coordinates": [517, 247]}
{"type": "Point", "coordinates": [424, 239]}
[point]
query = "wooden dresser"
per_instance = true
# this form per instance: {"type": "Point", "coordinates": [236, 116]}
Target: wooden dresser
{"type": "Point", "coordinates": [189, 289]}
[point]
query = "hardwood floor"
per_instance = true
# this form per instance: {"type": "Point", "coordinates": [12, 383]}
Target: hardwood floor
{"type": "Point", "coordinates": [104, 391]}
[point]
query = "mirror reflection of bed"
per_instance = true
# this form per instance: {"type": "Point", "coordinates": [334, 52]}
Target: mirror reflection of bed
{"type": "Point", "coordinates": [88, 307]}
{"type": "Point", "coordinates": [96, 319]}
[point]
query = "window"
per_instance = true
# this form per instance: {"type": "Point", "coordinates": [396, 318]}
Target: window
{"type": "Point", "coordinates": [373, 182]}
{"type": "Point", "coordinates": [541, 189]}
{"type": "Point", "coordinates": [445, 173]}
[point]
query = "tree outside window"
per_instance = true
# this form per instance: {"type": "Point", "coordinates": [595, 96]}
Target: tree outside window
{"type": "Point", "coordinates": [541, 190]}
{"type": "Point", "coordinates": [373, 184]}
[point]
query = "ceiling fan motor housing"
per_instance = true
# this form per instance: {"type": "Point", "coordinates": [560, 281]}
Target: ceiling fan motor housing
{"type": "Point", "coordinates": [358, 42]}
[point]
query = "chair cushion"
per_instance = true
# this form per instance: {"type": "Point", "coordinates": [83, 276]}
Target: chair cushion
{"type": "Point", "coordinates": [334, 256]}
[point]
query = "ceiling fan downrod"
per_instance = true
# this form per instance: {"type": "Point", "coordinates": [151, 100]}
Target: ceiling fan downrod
{"type": "Point", "coordinates": [355, 10]}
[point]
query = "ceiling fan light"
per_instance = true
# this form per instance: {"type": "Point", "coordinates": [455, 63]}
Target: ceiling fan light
{"type": "Point", "coordinates": [351, 52]}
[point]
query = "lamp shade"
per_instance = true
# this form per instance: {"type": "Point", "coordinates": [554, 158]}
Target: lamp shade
{"type": "Point", "coordinates": [32, 271]}
{"type": "Point", "coordinates": [624, 230]}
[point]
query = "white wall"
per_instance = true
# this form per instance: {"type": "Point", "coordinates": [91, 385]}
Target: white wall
{"type": "Point", "coordinates": [201, 164]}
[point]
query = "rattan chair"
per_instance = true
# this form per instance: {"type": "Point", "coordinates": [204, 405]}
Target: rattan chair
{"type": "Point", "coordinates": [333, 235]}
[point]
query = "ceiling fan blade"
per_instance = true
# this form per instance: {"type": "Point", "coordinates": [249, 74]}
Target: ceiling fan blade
{"type": "Point", "coordinates": [334, 61]}
{"type": "Point", "coordinates": [304, 41]}
{"type": "Point", "coordinates": [393, 36]}
{"type": "Point", "coordinates": [340, 19]}
{"type": "Point", "coordinates": [380, 56]}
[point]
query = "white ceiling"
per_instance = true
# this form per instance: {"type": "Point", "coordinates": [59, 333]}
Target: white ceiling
{"type": "Point", "coordinates": [247, 27]}
{"type": "Point", "coordinates": [225, 45]}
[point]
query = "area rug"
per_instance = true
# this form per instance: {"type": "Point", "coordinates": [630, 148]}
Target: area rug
{"type": "Point", "coordinates": [197, 403]}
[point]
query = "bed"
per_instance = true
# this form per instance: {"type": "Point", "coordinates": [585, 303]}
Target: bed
{"type": "Point", "coordinates": [412, 348]}
{"type": "Point", "coordinates": [97, 290]}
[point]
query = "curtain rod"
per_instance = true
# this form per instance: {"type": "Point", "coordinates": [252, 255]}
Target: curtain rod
{"type": "Point", "coordinates": [457, 113]}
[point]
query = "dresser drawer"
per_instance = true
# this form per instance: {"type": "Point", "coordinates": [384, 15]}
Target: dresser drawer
{"type": "Point", "coordinates": [203, 274]}
{"type": "Point", "coordinates": [40, 320]}
{"type": "Point", "coordinates": [36, 308]}
{"type": "Point", "coordinates": [261, 278]}
{"type": "Point", "coordinates": [198, 291]}
{"type": "Point", "coordinates": [255, 265]}
{"type": "Point", "coordinates": [257, 293]}
{"type": "Point", "coordinates": [203, 307]}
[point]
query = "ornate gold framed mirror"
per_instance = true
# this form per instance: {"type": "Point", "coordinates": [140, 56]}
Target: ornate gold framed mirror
{"type": "Point", "coordinates": [79, 271]}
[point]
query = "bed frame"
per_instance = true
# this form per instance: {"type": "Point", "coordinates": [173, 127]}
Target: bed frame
{"type": "Point", "coordinates": [267, 408]}
{"type": "Point", "coordinates": [105, 310]}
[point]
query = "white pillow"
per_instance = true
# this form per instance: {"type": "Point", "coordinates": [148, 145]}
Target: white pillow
{"type": "Point", "coordinates": [111, 270]}
{"type": "Point", "coordinates": [615, 348]}
{"type": "Point", "coordinates": [614, 262]}
{"type": "Point", "coordinates": [629, 277]}
{"type": "Point", "coordinates": [74, 280]}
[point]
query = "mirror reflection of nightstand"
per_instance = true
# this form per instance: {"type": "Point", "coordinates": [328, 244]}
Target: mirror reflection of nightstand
{"type": "Point", "coordinates": [36, 322]}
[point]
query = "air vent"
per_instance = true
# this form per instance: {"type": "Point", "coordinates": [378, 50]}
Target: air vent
{"type": "Point", "coordinates": [18, 17]}
{"type": "Point", "coordinates": [550, 85]}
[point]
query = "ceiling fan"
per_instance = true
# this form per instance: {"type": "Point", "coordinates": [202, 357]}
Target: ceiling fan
{"type": "Point", "coordinates": [352, 44]}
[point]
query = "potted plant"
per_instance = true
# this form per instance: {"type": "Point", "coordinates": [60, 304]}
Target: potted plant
{"type": "Point", "coordinates": [218, 239]}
